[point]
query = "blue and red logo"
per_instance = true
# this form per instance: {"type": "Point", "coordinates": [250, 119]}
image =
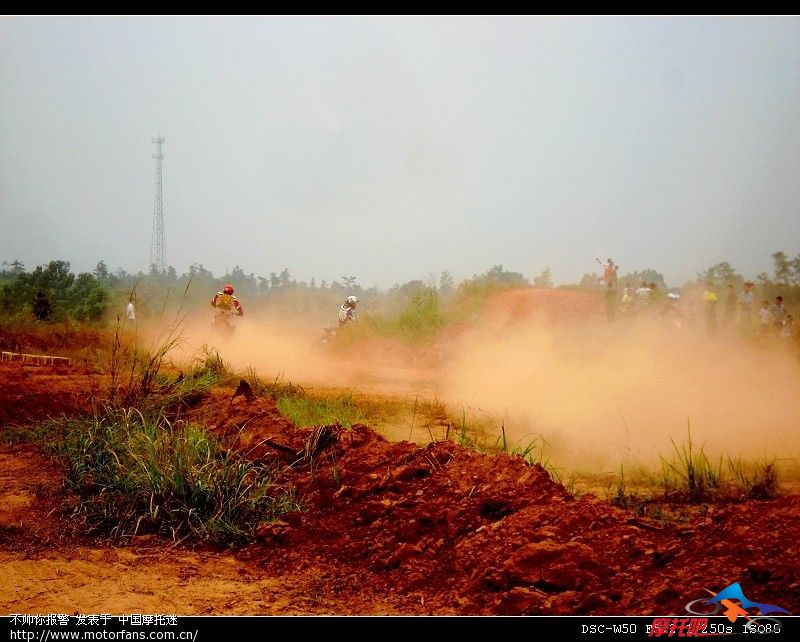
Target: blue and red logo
{"type": "Point", "coordinates": [730, 602]}
{"type": "Point", "coordinates": [733, 611]}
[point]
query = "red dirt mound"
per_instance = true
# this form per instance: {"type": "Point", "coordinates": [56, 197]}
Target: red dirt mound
{"type": "Point", "coordinates": [441, 529]}
{"type": "Point", "coordinates": [473, 533]}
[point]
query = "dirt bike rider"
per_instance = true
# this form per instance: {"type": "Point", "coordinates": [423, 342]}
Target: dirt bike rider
{"type": "Point", "coordinates": [347, 313]}
{"type": "Point", "coordinates": [224, 304]}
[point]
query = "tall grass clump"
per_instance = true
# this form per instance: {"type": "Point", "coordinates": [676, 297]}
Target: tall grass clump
{"type": "Point", "coordinates": [210, 361]}
{"type": "Point", "coordinates": [754, 480]}
{"type": "Point", "coordinates": [134, 371]}
{"type": "Point", "coordinates": [135, 474]}
{"type": "Point", "coordinates": [689, 475]}
{"type": "Point", "coordinates": [475, 431]}
{"type": "Point", "coordinates": [617, 492]}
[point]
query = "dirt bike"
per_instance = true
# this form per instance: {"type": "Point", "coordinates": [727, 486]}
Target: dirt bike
{"type": "Point", "coordinates": [327, 339]}
{"type": "Point", "coordinates": [222, 322]}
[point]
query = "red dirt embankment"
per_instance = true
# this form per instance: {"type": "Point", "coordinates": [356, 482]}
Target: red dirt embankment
{"type": "Point", "coordinates": [393, 527]}
{"type": "Point", "coordinates": [62, 339]}
{"type": "Point", "coordinates": [31, 393]}
{"type": "Point", "coordinates": [449, 530]}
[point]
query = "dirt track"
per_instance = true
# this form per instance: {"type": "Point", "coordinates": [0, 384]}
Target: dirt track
{"type": "Point", "coordinates": [404, 530]}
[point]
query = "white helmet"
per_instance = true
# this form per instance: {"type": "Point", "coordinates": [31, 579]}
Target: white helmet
{"type": "Point", "coordinates": [351, 300]}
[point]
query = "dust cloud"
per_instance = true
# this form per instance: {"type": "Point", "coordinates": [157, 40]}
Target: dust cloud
{"type": "Point", "coordinates": [598, 393]}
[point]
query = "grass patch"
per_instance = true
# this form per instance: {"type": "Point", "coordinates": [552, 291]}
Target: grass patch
{"type": "Point", "coordinates": [176, 391]}
{"type": "Point", "coordinates": [37, 433]}
{"type": "Point", "coordinates": [307, 411]}
{"type": "Point", "coordinates": [417, 322]}
{"type": "Point", "coordinates": [276, 388]}
{"type": "Point", "coordinates": [136, 474]}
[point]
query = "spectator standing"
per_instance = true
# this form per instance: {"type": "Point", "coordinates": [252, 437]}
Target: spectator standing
{"type": "Point", "coordinates": [710, 300]}
{"type": "Point", "coordinates": [609, 271]}
{"type": "Point", "coordinates": [789, 330]}
{"type": "Point", "coordinates": [611, 301]}
{"type": "Point", "coordinates": [730, 303]}
{"type": "Point", "coordinates": [627, 297]}
{"type": "Point", "coordinates": [765, 318]}
{"type": "Point", "coordinates": [643, 293]}
{"type": "Point", "coordinates": [778, 312]}
{"type": "Point", "coordinates": [656, 295]}
{"type": "Point", "coordinates": [746, 306]}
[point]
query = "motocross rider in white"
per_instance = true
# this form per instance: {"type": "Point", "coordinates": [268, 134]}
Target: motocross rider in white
{"type": "Point", "coordinates": [347, 313]}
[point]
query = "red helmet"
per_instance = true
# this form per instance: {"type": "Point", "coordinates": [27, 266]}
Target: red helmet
{"type": "Point", "coordinates": [228, 289]}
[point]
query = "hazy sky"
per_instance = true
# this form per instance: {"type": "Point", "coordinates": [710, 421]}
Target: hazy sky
{"type": "Point", "coordinates": [393, 148]}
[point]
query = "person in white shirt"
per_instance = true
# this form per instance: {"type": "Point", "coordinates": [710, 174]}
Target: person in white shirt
{"type": "Point", "coordinates": [347, 313]}
{"type": "Point", "coordinates": [765, 318]}
{"type": "Point", "coordinates": [746, 300]}
{"type": "Point", "coordinates": [130, 311]}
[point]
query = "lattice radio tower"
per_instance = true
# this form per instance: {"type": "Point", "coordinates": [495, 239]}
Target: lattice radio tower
{"type": "Point", "coordinates": [158, 246]}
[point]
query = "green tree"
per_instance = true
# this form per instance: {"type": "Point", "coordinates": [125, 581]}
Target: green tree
{"type": "Point", "coordinates": [101, 271]}
{"type": "Point", "coordinates": [783, 268]}
{"type": "Point", "coordinates": [589, 281]}
{"type": "Point", "coordinates": [86, 299]}
{"type": "Point", "coordinates": [720, 274]}
{"type": "Point", "coordinates": [12, 269]}
{"type": "Point", "coordinates": [83, 298]}
{"type": "Point", "coordinates": [794, 265]}
{"type": "Point", "coordinates": [198, 273]}
{"type": "Point", "coordinates": [544, 280]}
{"type": "Point", "coordinates": [496, 274]}
{"type": "Point", "coordinates": [447, 285]}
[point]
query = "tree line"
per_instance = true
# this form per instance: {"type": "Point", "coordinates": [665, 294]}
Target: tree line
{"type": "Point", "coordinates": [87, 297]}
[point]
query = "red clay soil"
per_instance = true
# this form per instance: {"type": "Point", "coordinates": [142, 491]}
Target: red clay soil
{"type": "Point", "coordinates": [48, 566]}
{"type": "Point", "coordinates": [444, 529]}
{"type": "Point", "coordinates": [55, 339]}
{"type": "Point", "coordinates": [30, 393]}
{"type": "Point", "coordinates": [397, 528]}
